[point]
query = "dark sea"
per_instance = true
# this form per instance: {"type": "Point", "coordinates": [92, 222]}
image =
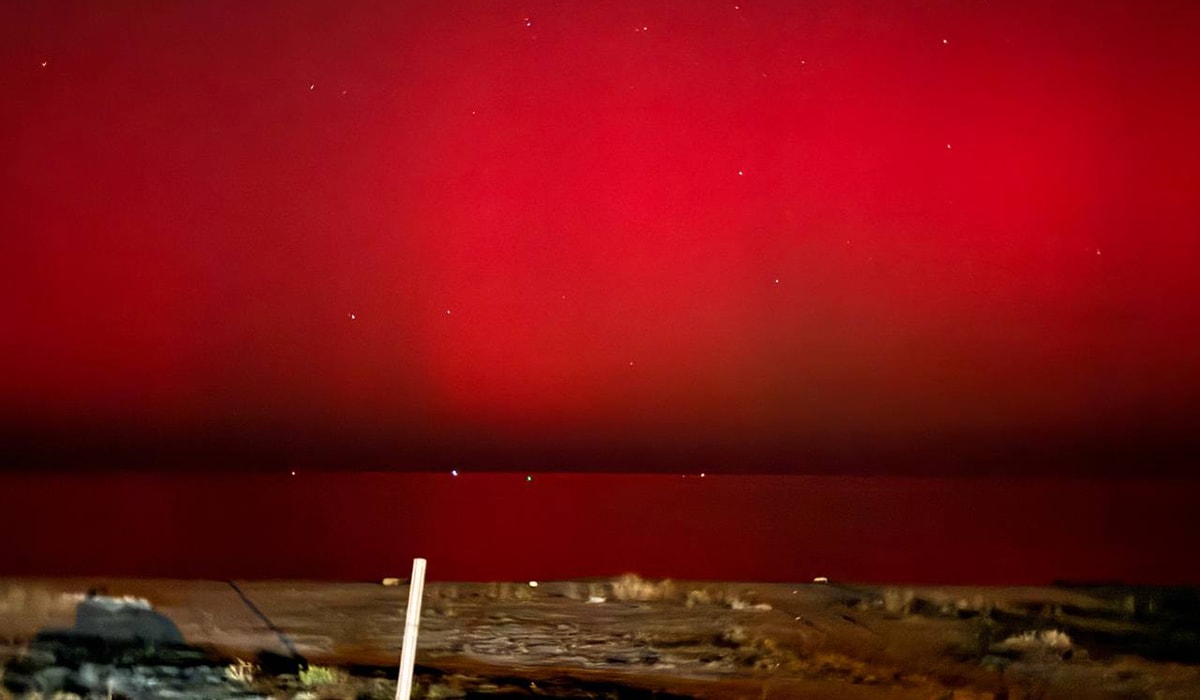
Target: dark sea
{"type": "Point", "coordinates": [513, 526]}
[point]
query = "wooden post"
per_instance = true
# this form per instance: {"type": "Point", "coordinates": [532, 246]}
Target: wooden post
{"type": "Point", "coordinates": [412, 620]}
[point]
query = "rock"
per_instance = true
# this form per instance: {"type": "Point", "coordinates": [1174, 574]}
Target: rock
{"type": "Point", "coordinates": [273, 664]}
{"type": "Point", "coordinates": [119, 647]}
{"type": "Point", "coordinates": [124, 619]}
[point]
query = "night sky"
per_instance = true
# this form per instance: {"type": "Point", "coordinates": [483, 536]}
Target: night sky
{"type": "Point", "coordinates": [840, 236]}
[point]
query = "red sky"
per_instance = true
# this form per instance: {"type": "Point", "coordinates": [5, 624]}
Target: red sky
{"type": "Point", "coordinates": [840, 236]}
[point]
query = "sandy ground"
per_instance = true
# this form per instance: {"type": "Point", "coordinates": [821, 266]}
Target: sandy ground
{"type": "Point", "coordinates": [689, 639]}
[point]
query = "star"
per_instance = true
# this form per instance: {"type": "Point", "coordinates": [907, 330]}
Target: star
{"type": "Point", "coordinates": [777, 280]}
{"type": "Point", "coordinates": [312, 86]}
{"type": "Point", "coordinates": [45, 63]}
{"type": "Point", "coordinates": [944, 41]}
{"type": "Point", "coordinates": [947, 146]}
{"type": "Point", "coordinates": [453, 472]}
{"type": "Point", "coordinates": [293, 473]}
{"type": "Point", "coordinates": [352, 317]}
{"type": "Point", "coordinates": [740, 173]}
{"type": "Point", "coordinates": [447, 312]}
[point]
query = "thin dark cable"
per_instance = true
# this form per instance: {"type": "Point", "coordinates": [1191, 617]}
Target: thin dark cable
{"type": "Point", "coordinates": [283, 638]}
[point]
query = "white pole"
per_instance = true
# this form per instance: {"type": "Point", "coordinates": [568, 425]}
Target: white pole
{"type": "Point", "coordinates": [412, 620]}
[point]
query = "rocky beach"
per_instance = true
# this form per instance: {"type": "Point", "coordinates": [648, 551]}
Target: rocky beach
{"type": "Point", "coordinates": [625, 637]}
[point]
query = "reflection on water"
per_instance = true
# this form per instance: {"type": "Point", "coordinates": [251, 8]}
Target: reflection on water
{"type": "Point", "coordinates": [365, 526]}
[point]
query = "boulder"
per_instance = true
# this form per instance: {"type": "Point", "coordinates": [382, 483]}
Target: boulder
{"type": "Point", "coordinates": [124, 620]}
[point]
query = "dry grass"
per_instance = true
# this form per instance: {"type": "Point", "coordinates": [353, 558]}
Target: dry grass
{"type": "Point", "coordinates": [242, 671]}
{"type": "Point", "coordinates": [632, 587]}
{"type": "Point", "coordinates": [1052, 640]}
{"type": "Point", "coordinates": [321, 675]}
